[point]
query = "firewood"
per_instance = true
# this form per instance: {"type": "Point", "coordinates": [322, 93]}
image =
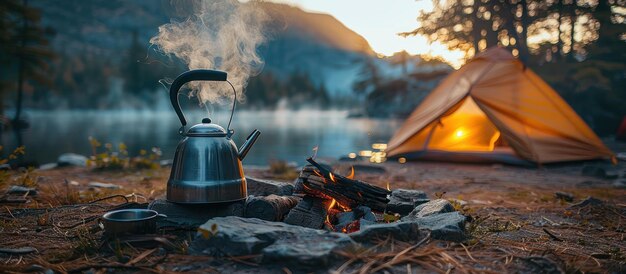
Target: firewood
{"type": "Point", "coordinates": [318, 181]}
{"type": "Point", "coordinates": [310, 212]}
{"type": "Point", "coordinates": [270, 208]}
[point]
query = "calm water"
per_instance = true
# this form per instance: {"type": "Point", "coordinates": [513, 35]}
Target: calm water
{"type": "Point", "coordinates": [285, 135]}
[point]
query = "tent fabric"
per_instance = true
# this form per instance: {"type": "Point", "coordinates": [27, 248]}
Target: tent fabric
{"type": "Point", "coordinates": [496, 94]}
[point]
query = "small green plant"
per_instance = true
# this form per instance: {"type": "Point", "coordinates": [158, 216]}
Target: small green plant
{"type": "Point", "coordinates": [119, 159]}
{"type": "Point", "coordinates": [4, 174]}
{"type": "Point", "coordinates": [282, 170]}
{"type": "Point", "coordinates": [28, 178]}
{"type": "Point", "coordinates": [147, 160]}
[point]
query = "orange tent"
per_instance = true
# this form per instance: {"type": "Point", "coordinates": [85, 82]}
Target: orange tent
{"type": "Point", "coordinates": [495, 109]}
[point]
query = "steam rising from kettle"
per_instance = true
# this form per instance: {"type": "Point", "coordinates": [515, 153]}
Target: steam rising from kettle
{"type": "Point", "coordinates": [207, 165]}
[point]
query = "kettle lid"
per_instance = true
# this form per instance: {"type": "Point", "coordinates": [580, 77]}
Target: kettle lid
{"type": "Point", "coordinates": [206, 129]}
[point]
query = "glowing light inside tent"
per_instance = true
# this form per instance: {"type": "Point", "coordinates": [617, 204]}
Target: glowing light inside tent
{"type": "Point", "coordinates": [467, 129]}
{"type": "Point", "coordinates": [459, 133]}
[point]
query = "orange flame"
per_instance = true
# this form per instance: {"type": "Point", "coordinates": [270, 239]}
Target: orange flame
{"type": "Point", "coordinates": [332, 178]}
{"type": "Point", "coordinates": [351, 176]}
{"type": "Point", "coordinates": [332, 204]}
{"type": "Point", "coordinates": [343, 207]}
{"type": "Point", "coordinates": [388, 188]}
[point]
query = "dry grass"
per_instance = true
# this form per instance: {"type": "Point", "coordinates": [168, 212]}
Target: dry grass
{"type": "Point", "coordinates": [506, 235]}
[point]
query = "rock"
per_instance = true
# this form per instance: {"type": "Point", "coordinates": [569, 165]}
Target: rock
{"type": "Point", "coordinates": [48, 166]}
{"type": "Point", "coordinates": [402, 208]}
{"type": "Point", "coordinates": [190, 215]}
{"type": "Point", "coordinates": [20, 190]}
{"type": "Point", "coordinates": [72, 159]}
{"type": "Point", "coordinates": [403, 201]}
{"type": "Point", "coordinates": [5, 167]}
{"type": "Point", "coordinates": [431, 208]}
{"type": "Point", "coordinates": [274, 241]}
{"type": "Point", "coordinates": [401, 231]}
{"type": "Point", "coordinates": [620, 183]}
{"type": "Point", "coordinates": [589, 201]}
{"type": "Point", "coordinates": [358, 213]}
{"type": "Point", "coordinates": [365, 223]}
{"type": "Point", "coordinates": [103, 185]}
{"type": "Point", "coordinates": [565, 196]}
{"type": "Point", "coordinates": [600, 171]}
{"type": "Point", "coordinates": [260, 187]}
{"type": "Point", "coordinates": [74, 183]}
{"type": "Point", "coordinates": [166, 162]}
{"type": "Point", "coordinates": [448, 226]}
{"type": "Point", "coordinates": [409, 195]}
{"type": "Point", "coordinates": [621, 156]}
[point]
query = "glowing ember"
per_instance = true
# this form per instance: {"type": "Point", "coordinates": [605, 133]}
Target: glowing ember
{"type": "Point", "coordinates": [332, 178]}
{"type": "Point", "coordinates": [388, 188]}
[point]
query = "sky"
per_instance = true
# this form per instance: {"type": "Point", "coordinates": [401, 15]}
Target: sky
{"type": "Point", "coordinates": [379, 21]}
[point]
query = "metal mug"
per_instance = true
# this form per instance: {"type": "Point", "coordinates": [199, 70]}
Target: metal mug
{"type": "Point", "coordinates": [130, 221]}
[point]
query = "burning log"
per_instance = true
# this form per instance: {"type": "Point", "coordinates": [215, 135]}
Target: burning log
{"type": "Point", "coordinates": [310, 212]}
{"type": "Point", "coordinates": [318, 181]}
{"type": "Point", "coordinates": [270, 208]}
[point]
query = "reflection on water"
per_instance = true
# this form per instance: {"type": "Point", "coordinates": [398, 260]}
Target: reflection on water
{"type": "Point", "coordinates": [285, 135]}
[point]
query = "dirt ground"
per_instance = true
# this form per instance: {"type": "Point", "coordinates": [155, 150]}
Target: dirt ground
{"type": "Point", "coordinates": [517, 224]}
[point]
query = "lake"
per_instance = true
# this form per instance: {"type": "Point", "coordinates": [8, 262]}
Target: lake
{"type": "Point", "coordinates": [287, 135]}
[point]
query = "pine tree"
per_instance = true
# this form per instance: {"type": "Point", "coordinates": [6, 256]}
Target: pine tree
{"type": "Point", "coordinates": [24, 46]}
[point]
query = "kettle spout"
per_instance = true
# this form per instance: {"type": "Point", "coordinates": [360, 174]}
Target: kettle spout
{"type": "Point", "coordinates": [243, 151]}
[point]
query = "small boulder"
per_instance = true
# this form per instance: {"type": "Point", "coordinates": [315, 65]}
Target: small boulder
{"type": "Point", "coordinates": [589, 201]}
{"type": "Point", "coordinates": [431, 208]}
{"type": "Point", "coordinates": [565, 196]}
{"type": "Point", "coordinates": [103, 185]}
{"type": "Point", "coordinates": [274, 241]}
{"type": "Point", "coordinates": [401, 231]}
{"type": "Point", "coordinates": [72, 159]}
{"type": "Point", "coordinates": [361, 213]}
{"type": "Point", "coordinates": [448, 226]}
{"type": "Point", "coordinates": [166, 162]}
{"type": "Point", "coordinates": [5, 167]}
{"type": "Point", "coordinates": [48, 166]}
{"type": "Point", "coordinates": [403, 201]}
{"type": "Point", "coordinates": [408, 195]}
{"type": "Point", "coordinates": [20, 190]}
{"type": "Point", "coordinates": [600, 171]}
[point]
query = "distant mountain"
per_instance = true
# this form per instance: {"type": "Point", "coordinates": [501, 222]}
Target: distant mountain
{"type": "Point", "coordinates": [315, 44]}
{"type": "Point", "coordinates": [104, 39]}
{"type": "Point", "coordinates": [317, 27]}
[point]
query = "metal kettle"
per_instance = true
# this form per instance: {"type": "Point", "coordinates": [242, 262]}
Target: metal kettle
{"type": "Point", "coordinates": [207, 164]}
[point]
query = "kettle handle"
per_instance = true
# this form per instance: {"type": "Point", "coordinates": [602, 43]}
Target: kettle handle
{"type": "Point", "coordinates": [196, 75]}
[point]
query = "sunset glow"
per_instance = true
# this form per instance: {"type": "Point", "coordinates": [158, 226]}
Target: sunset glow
{"type": "Point", "coordinates": [380, 23]}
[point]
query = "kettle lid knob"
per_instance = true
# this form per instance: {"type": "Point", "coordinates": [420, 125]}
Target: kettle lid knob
{"type": "Point", "coordinates": [206, 120]}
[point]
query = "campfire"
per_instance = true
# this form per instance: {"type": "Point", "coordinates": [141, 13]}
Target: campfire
{"type": "Point", "coordinates": [335, 202]}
